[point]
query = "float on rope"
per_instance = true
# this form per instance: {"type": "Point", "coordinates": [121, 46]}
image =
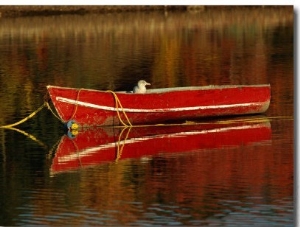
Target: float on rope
{"type": "Point", "coordinates": [72, 125]}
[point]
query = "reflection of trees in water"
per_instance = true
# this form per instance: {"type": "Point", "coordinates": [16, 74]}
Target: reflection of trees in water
{"type": "Point", "coordinates": [113, 51]}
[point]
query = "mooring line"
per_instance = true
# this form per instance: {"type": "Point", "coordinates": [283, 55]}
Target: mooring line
{"type": "Point", "coordinates": [55, 115]}
{"type": "Point", "coordinates": [28, 135]}
{"type": "Point", "coordinates": [119, 108]}
{"type": "Point", "coordinates": [26, 118]}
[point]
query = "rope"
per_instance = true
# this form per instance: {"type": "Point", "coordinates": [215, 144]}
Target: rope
{"type": "Point", "coordinates": [255, 120]}
{"type": "Point", "coordinates": [32, 137]}
{"type": "Point", "coordinates": [187, 123]}
{"type": "Point", "coordinates": [26, 118]}
{"type": "Point", "coordinates": [75, 110]}
{"type": "Point", "coordinates": [117, 104]}
{"type": "Point", "coordinates": [49, 108]}
{"type": "Point", "coordinates": [77, 152]}
{"type": "Point", "coordinates": [76, 106]}
{"type": "Point", "coordinates": [120, 149]}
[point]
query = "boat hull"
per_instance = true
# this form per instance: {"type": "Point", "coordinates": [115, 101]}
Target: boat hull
{"type": "Point", "coordinates": [89, 107]}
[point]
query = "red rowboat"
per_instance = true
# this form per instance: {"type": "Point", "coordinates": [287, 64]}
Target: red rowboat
{"type": "Point", "coordinates": [94, 146]}
{"type": "Point", "coordinates": [89, 107]}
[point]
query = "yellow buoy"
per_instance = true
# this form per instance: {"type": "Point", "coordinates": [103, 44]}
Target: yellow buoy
{"type": "Point", "coordinates": [74, 126]}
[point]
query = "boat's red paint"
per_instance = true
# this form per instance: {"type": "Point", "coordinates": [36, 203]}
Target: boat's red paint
{"type": "Point", "coordinates": [89, 107]}
{"type": "Point", "coordinates": [99, 145]}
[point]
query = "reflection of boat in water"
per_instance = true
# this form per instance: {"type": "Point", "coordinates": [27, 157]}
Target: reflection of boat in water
{"type": "Point", "coordinates": [97, 145]}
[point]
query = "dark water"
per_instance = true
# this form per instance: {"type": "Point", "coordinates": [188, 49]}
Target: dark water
{"type": "Point", "coordinates": [215, 183]}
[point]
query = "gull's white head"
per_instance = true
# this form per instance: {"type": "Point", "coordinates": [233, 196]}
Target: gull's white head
{"type": "Point", "coordinates": [143, 83]}
{"type": "Point", "coordinates": [141, 87]}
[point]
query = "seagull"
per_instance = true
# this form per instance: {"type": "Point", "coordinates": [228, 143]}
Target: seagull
{"type": "Point", "coordinates": [141, 87]}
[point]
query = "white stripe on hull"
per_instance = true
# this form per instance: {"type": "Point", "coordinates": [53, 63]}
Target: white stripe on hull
{"type": "Point", "coordinates": [95, 106]}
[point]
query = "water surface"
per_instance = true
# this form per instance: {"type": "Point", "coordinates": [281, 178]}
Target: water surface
{"type": "Point", "coordinates": [212, 184]}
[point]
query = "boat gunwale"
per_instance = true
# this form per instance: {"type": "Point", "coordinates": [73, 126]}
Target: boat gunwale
{"type": "Point", "coordinates": [167, 90]}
